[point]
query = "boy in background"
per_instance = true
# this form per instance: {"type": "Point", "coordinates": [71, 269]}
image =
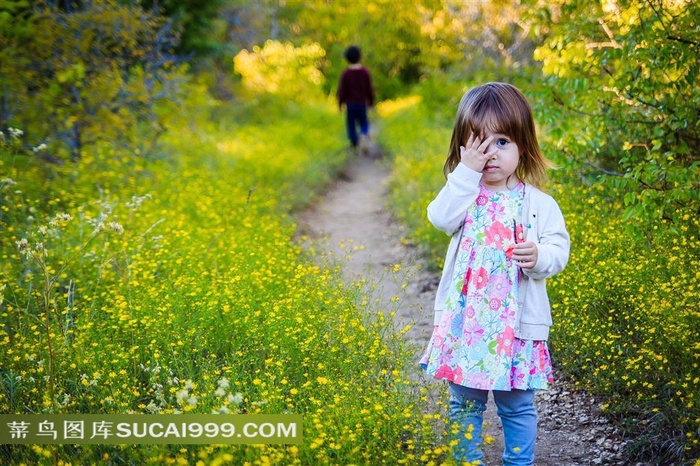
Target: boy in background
{"type": "Point", "coordinates": [355, 91]}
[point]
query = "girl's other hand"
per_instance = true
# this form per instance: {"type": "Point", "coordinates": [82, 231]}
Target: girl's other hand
{"type": "Point", "coordinates": [474, 155]}
{"type": "Point", "coordinates": [525, 255]}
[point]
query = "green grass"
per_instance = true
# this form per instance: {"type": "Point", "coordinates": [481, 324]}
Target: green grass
{"type": "Point", "coordinates": [177, 272]}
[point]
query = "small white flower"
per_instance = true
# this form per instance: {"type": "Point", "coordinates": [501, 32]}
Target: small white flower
{"type": "Point", "coordinates": [136, 201]}
{"type": "Point", "coordinates": [152, 408]}
{"type": "Point", "coordinates": [181, 395]}
{"type": "Point", "coordinates": [222, 410]}
{"type": "Point", "coordinates": [223, 383]}
{"type": "Point", "coordinates": [60, 219]}
{"type": "Point", "coordinates": [22, 245]}
{"type": "Point", "coordinates": [192, 401]}
{"type": "Point", "coordinates": [189, 385]}
{"type": "Point", "coordinates": [15, 132]}
{"type": "Point", "coordinates": [116, 227]}
{"type": "Point", "coordinates": [220, 392]}
{"type": "Point", "coordinates": [235, 399]}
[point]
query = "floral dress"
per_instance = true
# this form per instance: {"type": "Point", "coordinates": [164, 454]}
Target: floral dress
{"type": "Point", "coordinates": [475, 345]}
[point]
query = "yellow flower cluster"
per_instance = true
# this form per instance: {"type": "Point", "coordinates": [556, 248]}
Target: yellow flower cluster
{"type": "Point", "coordinates": [626, 316]}
{"type": "Point", "coordinates": [203, 302]}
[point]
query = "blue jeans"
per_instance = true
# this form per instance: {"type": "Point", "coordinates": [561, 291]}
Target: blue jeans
{"type": "Point", "coordinates": [518, 416]}
{"type": "Point", "coordinates": [356, 114]}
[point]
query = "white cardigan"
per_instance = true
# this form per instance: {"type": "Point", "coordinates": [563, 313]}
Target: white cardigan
{"type": "Point", "coordinates": [543, 223]}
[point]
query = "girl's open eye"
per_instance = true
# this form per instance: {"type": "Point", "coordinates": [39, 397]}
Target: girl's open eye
{"type": "Point", "coordinates": [502, 142]}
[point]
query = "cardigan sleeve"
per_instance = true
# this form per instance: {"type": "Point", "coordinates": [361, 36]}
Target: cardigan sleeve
{"type": "Point", "coordinates": [446, 212]}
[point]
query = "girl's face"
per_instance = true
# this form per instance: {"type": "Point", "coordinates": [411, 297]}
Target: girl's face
{"type": "Point", "coordinates": [498, 171]}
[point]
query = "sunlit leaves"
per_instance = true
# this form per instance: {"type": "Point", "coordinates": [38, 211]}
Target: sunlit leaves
{"type": "Point", "coordinates": [282, 69]}
{"type": "Point", "coordinates": [94, 73]}
{"type": "Point", "coordinates": [640, 62]}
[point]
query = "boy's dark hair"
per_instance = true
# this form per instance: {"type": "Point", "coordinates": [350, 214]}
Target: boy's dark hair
{"type": "Point", "coordinates": [353, 54]}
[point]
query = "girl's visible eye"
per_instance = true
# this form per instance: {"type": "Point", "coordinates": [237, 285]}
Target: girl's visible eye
{"type": "Point", "coordinates": [502, 142]}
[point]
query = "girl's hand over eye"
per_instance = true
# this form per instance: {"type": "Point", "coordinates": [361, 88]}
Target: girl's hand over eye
{"type": "Point", "coordinates": [525, 255]}
{"type": "Point", "coordinates": [474, 154]}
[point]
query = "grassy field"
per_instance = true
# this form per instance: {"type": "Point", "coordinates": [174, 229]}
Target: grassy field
{"type": "Point", "coordinates": [176, 283]}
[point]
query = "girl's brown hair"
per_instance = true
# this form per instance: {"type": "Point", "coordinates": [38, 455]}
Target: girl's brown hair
{"type": "Point", "coordinates": [499, 108]}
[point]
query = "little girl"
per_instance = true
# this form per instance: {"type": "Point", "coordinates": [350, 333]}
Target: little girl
{"type": "Point", "coordinates": [492, 313]}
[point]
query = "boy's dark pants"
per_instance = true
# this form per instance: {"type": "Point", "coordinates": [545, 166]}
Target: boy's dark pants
{"type": "Point", "coordinates": [356, 113]}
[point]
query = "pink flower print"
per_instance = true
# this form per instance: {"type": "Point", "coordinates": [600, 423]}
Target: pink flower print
{"type": "Point", "coordinates": [497, 235]}
{"type": "Point", "coordinates": [458, 376]}
{"type": "Point", "coordinates": [481, 278]}
{"type": "Point", "coordinates": [500, 285]}
{"type": "Point", "coordinates": [444, 372]}
{"type": "Point", "coordinates": [467, 277]}
{"type": "Point", "coordinates": [496, 209]}
{"type": "Point", "coordinates": [469, 312]}
{"type": "Point", "coordinates": [519, 238]}
{"type": "Point", "coordinates": [481, 200]}
{"type": "Point", "coordinates": [494, 304]}
{"type": "Point", "coordinates": [517, 377]}
{"type": "Point", "coordinates": [448, 357]}
{"type": "Point", "coordinates": [473, 332]}
{"type": "Point", "coordinates": [507, 314]}
{"type": "Point", "coordinates": [505, 341]}
{"type": "Point", "coordinates": [466, 244]}
{"type": "Point", "coordinates": [478, 380]}
{"type": "Point", "coordinates": [438, 341]}
{"type": "Point", "coordinates": [543, 356]}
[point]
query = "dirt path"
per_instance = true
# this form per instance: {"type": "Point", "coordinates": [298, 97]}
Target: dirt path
{"type": "Point", "coordinates": [357, 228]}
